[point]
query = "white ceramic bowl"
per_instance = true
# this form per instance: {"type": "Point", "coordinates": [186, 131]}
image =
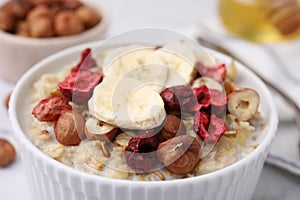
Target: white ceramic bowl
{"type": "Point", "coordinates": [18, 54]}
{"type": "Point", "coordinates": [50, 179]}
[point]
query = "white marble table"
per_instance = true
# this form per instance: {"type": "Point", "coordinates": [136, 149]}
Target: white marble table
{"type": "Point", "coordinates": [274, 184]}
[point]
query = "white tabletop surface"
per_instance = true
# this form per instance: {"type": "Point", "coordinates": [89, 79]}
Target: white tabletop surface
{"type": "Point", "coordinates": [274, 184]}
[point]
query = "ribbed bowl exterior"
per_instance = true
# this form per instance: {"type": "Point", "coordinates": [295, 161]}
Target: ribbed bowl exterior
{"type": "Point", "coordinates": [50, 182]}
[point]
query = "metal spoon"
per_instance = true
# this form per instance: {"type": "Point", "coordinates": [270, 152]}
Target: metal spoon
{"type": "Point", "coordinates": [281, 92]}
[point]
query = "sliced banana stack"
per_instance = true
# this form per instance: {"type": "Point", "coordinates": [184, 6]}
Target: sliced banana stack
{"type": "Point", "coordinates": [128, 97]}
{"type": "Point", "coordinates": [243, 103]}
{"type": "Point", "coordinates": [127, 103]}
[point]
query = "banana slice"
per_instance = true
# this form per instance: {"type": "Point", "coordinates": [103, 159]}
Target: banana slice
{"type": "Point", "coordinates": [180, 60]}
{"type": "Point", "coordinates": [206, 58]}
{"type": "Point", "coordinates": [137, 62]}
{"type": "Point", "coordinates": [243, 103]}
{"type": "Point", "coordinates": [146, 67]}
{"type": "Point", "coordinates": [209, 82]}
{"type": "Point", "coordinates": [127, 103]}
{"type": "Point", "coordinates": [97, 130]}
{"type": "Point", "coordinates": [114, 56]}
{"type": "Point", "coordinates": [181, 50]}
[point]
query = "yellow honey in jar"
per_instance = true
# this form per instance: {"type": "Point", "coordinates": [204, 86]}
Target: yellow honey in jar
{"type": "Point", "coordinates": [261, 20]}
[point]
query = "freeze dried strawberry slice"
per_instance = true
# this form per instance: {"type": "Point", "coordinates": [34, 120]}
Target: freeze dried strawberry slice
{"type": "Point", "coordinates": [201, 123]}
{"type": "Point", "coordinates": [218, 73]}
{"type": "Point", "coordinates": [217, 98]}
{"type": "Point", "coordinates": [210, 100]}
{"type": "Point", "coordinates": [141, 151]}
{"type": "Point", "coordinates": [86, 62]}
{"type": "Point", "coordinates": [79, 86]}
{"type": "Point", "coordinates": [203, 96]}
{"type": "Point", "coordinates": [49, 110]}
{"type": "Point", "coordinates": [209, 128]}
{"type": "Point", "coordinates": [218, 103]}
{"type": "Point", "coordinates": [180, 98]}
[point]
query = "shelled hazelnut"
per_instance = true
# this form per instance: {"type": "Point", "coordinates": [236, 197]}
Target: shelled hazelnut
{"type": "Point", "coordinates": [87, 16]}
{"type": "Point", "coordinates": [67, 23]}
{"type": "Point", "coordinates": [6, 21]}
{"type": "Point", "coordinates": [41, 28]}
{"type": "Point", "coordinates": [47, 18]}
{"type": "Point", "coordinates": [7, 153]}
{"type": "Point", "coordinates": [22, 29]}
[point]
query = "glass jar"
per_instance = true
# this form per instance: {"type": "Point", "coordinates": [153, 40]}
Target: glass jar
{"type": "Point", "coordinates": [261, 20]}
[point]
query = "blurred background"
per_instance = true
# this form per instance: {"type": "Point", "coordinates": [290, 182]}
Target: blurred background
{"type": "Point", "coordinates": [265, 33]}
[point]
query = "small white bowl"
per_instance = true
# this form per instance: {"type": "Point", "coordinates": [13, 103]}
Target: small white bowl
{"type": "Point", "coordinates": [50, 179]}
{"type": "Point", "coordinates": [18, 54]}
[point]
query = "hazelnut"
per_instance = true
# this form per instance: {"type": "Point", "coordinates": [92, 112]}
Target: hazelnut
{"type": "Point", "coordinates": [69, 128]}
{"type": "Point", "coordinates": [172, 127]}
{"type": "Point", "coordinates": [97, 130]}
{"type": "Point", "coordinates": [7, 153]}
{"type": "Point", "coordinates": [180, 154]}
{"type": "Point", "coordinates": [22, 29]}
{"type": "Point", "coordinates": [7, 21]}
{"type": "Point", "coordinates": [7, 99]}
{"type": "Point", "coordinates": [41, 28]}
{"type": "Point", "coordinates": [243, 103]}
{"type": "Point", "coordinates": [67, 23]}
{"type": "Point", "coordinates": [38, 12]}
{"type": "Point", "coordinates": [39, 2]}
{"type": "Point", "coordinates": [286, 18]}
{"type": "Point", "coordinates": [87, 16]}
{"type": "Point", "coordinates": [17, 9]}
{"type": "Point", "coordinates": [71, 4]}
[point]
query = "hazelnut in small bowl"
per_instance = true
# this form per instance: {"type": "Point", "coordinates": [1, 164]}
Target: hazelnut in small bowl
{"type": "Point", "coordinates": [33, 29]}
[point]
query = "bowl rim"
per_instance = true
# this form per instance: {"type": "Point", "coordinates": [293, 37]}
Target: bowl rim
{"type": "Point", "coordinates": [20, 136]}
{"type": "Point", "coordinates": [52, 41]}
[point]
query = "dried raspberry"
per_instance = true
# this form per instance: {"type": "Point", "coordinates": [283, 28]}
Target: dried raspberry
{"type": "Point", "coordinates": [141, 151]}
{"type": "Point", "coordinates": [180, 98]}
{"type": "Point", "coordinates": [217, 98]}
{"type": "Point", "coordinates": [218, 103]}
{"type": "Point", "coordinates": [218, 73]}
{"type": "Point", "coordinates": [49, 110]}
{"type": "Point", "coordinates": [86, 62]}
{"type": "Point", "coordinates": [209, 128]}
{"type": "Point", "coordinates": [201, 123]}
{"type": "Point", "coordinates": [202, 94]}
{"type": "Point", "coordinates": [212, 101]}
{"type": "Point", "coordinates": [79, 86]}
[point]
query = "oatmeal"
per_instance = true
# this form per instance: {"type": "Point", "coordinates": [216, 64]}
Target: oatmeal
{"type": "Point", "coordinates": [146, 114]}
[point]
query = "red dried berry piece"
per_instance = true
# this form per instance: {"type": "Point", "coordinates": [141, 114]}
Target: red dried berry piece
{"type": "Point", "coordinates": [217, 98]}
{"type": "Point", "coordinates": [141, 151]}
{"type": "Point", "coordinates": [86, 62]}
{"type": "Point", "coordinates": [49, 110]}
{"type": "Point", "coordinates": [201, 123]}
{"type": "Point", "coordinates": [180, 98]}
{"type": "Point", "coordinates": [202, 94]}
{"type": "Point", "coordinates": [209, 129]}
{"type": "Point", "coordinates": [218, 73]}
{"type": "Point", "coordinates": [79, 86]}
{"type": "Point", "coordinates": [210, 100]}
{"type": "Point", "coordinates": [218, 103]}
